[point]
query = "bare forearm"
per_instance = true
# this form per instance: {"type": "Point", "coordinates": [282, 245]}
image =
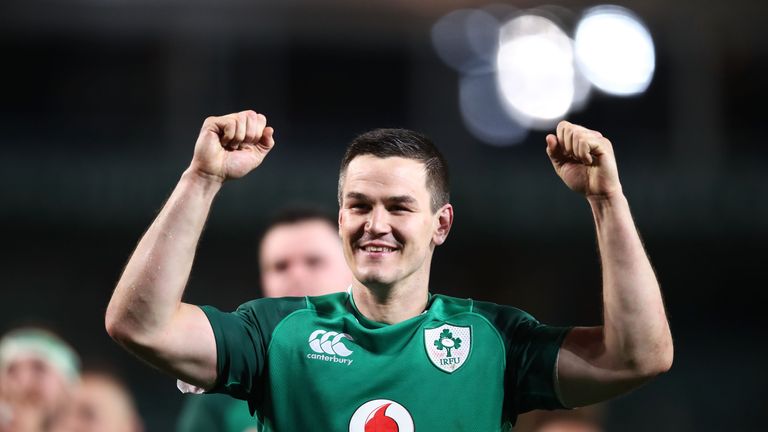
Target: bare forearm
{"type": "Point", "coordinates": [636, 332]}
{"type": "Point", "coordinates": [149, 291]}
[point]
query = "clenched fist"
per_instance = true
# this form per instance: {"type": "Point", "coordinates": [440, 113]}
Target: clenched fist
{"type": "Point", "coordinates": [231, 146]}
{"type": "Point", "coordinates": [584, 159]}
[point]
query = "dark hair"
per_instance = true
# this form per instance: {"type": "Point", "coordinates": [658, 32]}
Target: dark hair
{"type": "Point", "coordinates": [298, 214]}
{"type": "Point", "coordinates": [292, 215]}
{"type": "Point", "coordinates": [384, 143]}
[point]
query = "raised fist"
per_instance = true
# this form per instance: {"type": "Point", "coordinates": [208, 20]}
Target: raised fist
{"type": "Point", "coordinates": [231, 146]}
{"type": "Point", "coordinates": [584, 159]}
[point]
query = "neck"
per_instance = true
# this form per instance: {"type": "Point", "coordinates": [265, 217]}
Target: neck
{"type": "Point", "coordinates": [391, 304]}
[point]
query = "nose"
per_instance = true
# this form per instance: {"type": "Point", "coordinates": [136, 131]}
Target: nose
{"type": "Point", "coordinates": [297, 274]}
{"type": "Point", "coordinates": [378, 221]}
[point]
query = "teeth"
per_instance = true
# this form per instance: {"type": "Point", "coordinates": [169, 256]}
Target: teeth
{"type": "Point", "coordinates": [378, 249]}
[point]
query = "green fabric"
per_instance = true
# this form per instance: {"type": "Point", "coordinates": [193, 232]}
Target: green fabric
{"type": "Point", "coordinates": [215, 413]}
{"type": "Point", "coordinates": [278, 355]}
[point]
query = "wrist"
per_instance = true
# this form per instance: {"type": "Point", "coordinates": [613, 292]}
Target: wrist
{"type": "Point", "coordinates": [608, 206]}
{"type": "Point", "coordinates": [207, 183]}
{"type": "Point", "coordinates": [607, 200]}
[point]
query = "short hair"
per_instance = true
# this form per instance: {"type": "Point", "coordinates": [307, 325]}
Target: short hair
{"type": "Point", "coordinates": [293, 215]}
{"type": "Point", "coordinates": [384, 143]}
{"type": "Point", "coordinates": [299, 214]}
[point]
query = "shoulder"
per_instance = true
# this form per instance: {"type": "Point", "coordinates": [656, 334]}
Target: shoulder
{"type": "Point", "coordinates": [491, 311]}
{"type": "Point", "coordinates": [277, 305]}
{"type": "Point", "coordinates": [496, 312]}
{"type": "Point", "coordinates": [260, 312]}
{"type": "Point", "coordinates": [330, 304]}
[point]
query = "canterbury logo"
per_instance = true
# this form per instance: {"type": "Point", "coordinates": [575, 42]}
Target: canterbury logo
{"type": "Point", "coordinates": [329, 342]}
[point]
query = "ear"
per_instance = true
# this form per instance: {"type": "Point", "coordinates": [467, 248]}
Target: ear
{"type": "Point", "coordinates": [340, 215]}
{"type": "Point", "coordinates": [444, 222]}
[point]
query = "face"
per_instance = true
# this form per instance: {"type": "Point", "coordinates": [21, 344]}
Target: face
{"type": "Point", "coordinates": [387, 226]}
{"type": "Point", "coordinates": [301, 259]}
{"type": "Point", "coordinates": [568, 426]}
{"type": "Point", "coordinates": [32, 380]}
{"type": "Point", "coordinates": [99, 405]}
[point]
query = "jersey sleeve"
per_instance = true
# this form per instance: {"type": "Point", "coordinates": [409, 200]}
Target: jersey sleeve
{"type": "Point", "coordinates": [242, 340]}
{"type": "Point", "coordinates": [531, 348]}
{"type": "Point", "coordinates": [532, 364]}
{"type": "Point", "coordinates": [201, 414]}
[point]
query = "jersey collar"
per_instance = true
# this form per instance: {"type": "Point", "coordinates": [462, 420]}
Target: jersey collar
{"type": "Point", "coordinates": [366, 322]}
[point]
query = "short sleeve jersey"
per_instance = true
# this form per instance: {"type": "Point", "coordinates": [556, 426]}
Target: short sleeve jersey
{"type": "Point", "coordinates": [316, 363]}
{"type": "Point", "coordinates": [215, 413]}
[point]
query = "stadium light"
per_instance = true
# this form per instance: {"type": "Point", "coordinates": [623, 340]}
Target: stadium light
{"type": "Point", "coordinates": [535, 71]}
{"type": "Point", "coordinates": [484, 114]}
{"type": "Point", "coordinates": [466, 40]}
{"type": "Point", "coordinates": [615, 50]}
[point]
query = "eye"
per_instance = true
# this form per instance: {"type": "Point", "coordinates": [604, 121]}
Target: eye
{"type": "Point", "coordinates": [314, 262]}
{"type": "Point", "coordinates": [398, 209]}
{"type": "Point", "coordinates": [359, 206]}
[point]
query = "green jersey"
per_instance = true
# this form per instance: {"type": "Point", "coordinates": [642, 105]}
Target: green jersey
{"type": "Point", "coordinates": [316, 363]}
{"type": "Point", "coordinates": [215, 413]}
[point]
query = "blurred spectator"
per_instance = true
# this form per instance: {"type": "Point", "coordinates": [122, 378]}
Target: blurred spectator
{"type": "Point", "coordinates": [38, 374]}
{"type": "Point", "coordinates": [299, 255]}
{"type": "Point", "coordinates": [585, 419]}
{"type": "Point", "coordinates": [102, 403]}
{"type": "Point", "coordinates": [568, 425]}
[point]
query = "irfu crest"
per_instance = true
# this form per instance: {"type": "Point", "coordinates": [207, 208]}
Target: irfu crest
{"type": "Point", "coordinates": [447, 342]}
{"type": "Point", "coordinates": [448, 346]}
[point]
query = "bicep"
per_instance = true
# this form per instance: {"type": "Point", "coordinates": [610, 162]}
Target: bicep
{"type": "Point", "coordinates": [588, 373]}
{"type": "Point", "coordinates": [187, 348]}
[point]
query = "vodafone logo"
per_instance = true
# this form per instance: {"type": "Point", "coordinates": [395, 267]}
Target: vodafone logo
{"type": "Point", "coordinates": [381, 415]}
{"type": "Point", "coordinates": [329, 342]}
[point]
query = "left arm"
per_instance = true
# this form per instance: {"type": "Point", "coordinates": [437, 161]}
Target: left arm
{"type": "Point", "coordinates": [634, 344]}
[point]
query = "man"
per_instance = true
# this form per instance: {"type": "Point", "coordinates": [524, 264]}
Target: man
{"type": "Point", "coordinates": [100, 404]}
{"type": "Point", "coordinates": [388, 355]}
{"type": "Point", "coordinates": [38, 373]}
{"type": "Point", "coordinates": [299, 254]}
{"type": "Point", "coordinates": [568, 425]}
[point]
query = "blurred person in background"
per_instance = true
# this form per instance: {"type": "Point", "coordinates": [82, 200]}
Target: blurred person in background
{"type": "Point", "coordinates": [587, 419]}
{"type": "Point", "coordinates": [383, 354]}
{"type": "Point", "coordinates": [299, 254]}
{"type": "Point", "coordinates": [38, 374]}
{"type": "Point", "coordinates": [584, 419]}
{"type": "Point", "coordinates": [568, 425]}
{"type": "Point", "coordinates": [102, 403]}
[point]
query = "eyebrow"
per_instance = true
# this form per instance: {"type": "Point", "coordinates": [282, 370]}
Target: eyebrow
{"type": "Point", "coordinates": [398, 199]}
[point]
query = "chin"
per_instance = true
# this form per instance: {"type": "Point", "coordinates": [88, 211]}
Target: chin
{"type": "Point", "coordinates": [375, 280]}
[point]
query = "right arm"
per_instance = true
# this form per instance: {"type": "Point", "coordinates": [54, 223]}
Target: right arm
{"type": "Point", "coordinates": [146, 314]}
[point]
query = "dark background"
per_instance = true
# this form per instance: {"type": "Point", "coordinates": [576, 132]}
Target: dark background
{"type": "Point", "coordinates": [101, 101]}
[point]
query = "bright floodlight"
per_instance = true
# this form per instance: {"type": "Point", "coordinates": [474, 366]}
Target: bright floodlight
{"type": "Point", "coordinates": [614, 50]}
{"type": "Point", "coordinates": [484, 114]}
{"type": "Point", "coordinates": [535, 71]}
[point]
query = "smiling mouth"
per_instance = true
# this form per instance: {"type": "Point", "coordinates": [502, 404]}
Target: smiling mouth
{"type": "Point", "coordinates": [378, 249]}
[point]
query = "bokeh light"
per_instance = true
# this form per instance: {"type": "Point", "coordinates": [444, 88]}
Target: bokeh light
{"type": "Point", "coordinates": [466, 40]}
{"type": "Point", "coordinates": [615, 50]}
{"type": "Point", "coordinates": [484, 113]}
{"type": "Point", "coordinates": [535, 70]}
